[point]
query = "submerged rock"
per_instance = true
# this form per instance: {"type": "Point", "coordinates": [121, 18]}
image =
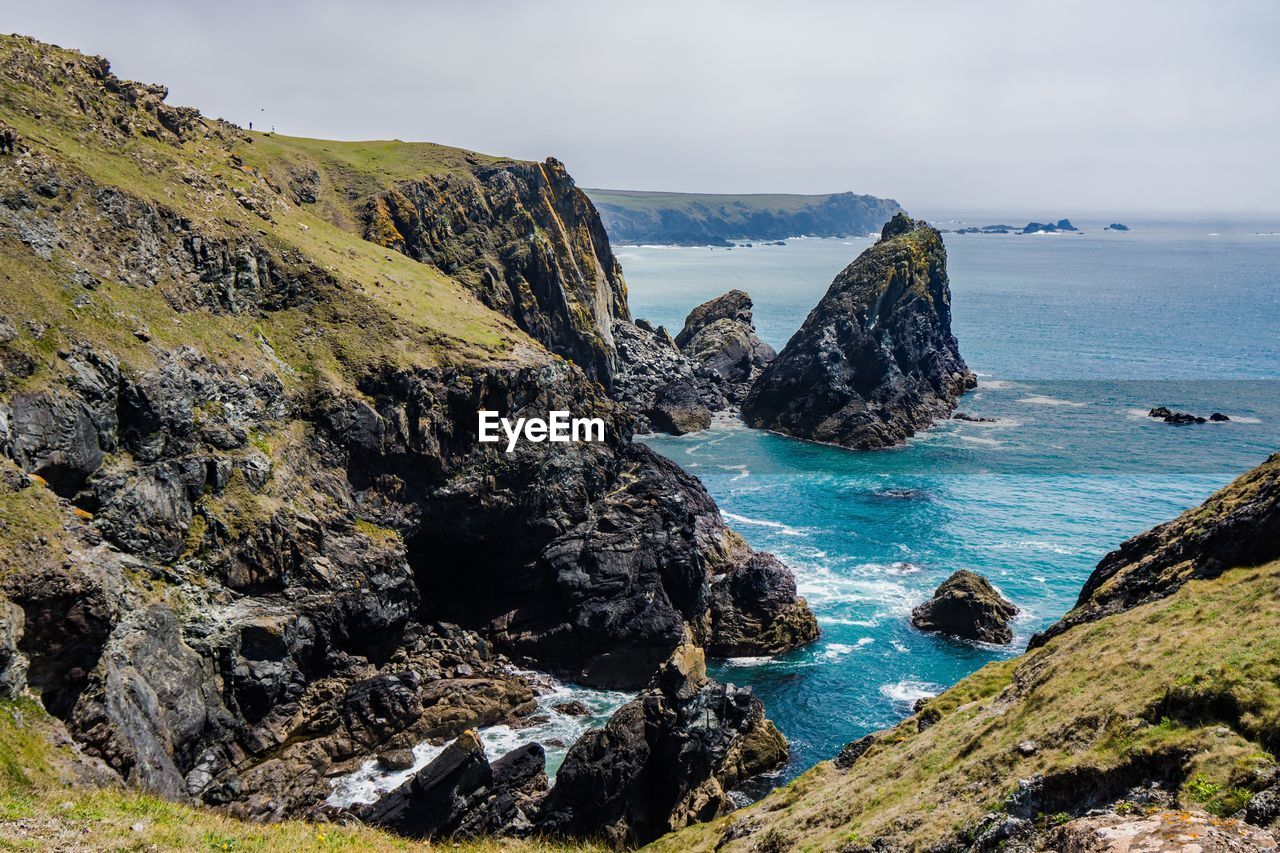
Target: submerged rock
{"type": "Point", "coordinates": [966, 605]}
{"type": "Point", "coordinates": [664, 760]}
{"type": "Point", "coordinates": [875, 360]}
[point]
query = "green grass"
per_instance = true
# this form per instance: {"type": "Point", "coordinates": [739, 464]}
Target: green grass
{"type": "Point", "coordinates": [372, 307]}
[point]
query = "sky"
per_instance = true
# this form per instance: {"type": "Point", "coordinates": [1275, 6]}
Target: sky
{"type": "Point", "coordinates": [1168, 107]}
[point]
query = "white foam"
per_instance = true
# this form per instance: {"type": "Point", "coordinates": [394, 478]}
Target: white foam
{"type": "Point", "coordinates": [1042, 400]}
{"type": "Point", "coordinates": [764, 522]}
{"type": "Point", "coordinates": [985, 442]}
{"type": "Point", "coordinates": [556, 734]}
{"type": "Point", "coordinates": [748, 661]}
{"type": "Point", "coordinates": [909, 690]}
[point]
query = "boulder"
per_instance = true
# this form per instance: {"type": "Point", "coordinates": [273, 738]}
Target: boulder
{"type": "Point", "coordinates": [458, 794]}
{"type": "Point", "coordinates": [677, 409]}
{"type": "Point", "coordinates": [967, 606]}
{"type": "Point", "coordinates": [719, 336]}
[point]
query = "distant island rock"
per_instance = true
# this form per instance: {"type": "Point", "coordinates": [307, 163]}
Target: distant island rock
{"type": "Point", "coordinates": [1062, 225]}
{"type": "Point", "coordinates": [700, 219]}
{"type": "Point", "coordinates": [1049, 227]}
{"type": "Point", "coordinates": [875, 360]}
{"type": "Point", "coordinates": [1116, 226]}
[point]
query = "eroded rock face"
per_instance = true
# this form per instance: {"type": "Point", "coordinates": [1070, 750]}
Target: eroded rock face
{"type": "Point", "coordinates": [967, 606]}
{"type": "Point", "coordinates": [676, 385]}
{"type": "Point", "coordinates": [527, 240]}
{"type": "Point", "coordinates": [1169, 831]}
{"type": "Point", "coordinates": [875, 360]}
{"type": "Point", "coordinates": [665, 760]}
{"type": "Point", "coordinates": [233, 578]}
{"type": "Point", "coordinates": [755, 611]}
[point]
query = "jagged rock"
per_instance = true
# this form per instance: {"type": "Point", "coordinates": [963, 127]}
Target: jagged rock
{"type": "Point", "coordinates": [572, 708]}
{"type": "Point", "coordinates": [665, 760]}
{"type": "Point", "coordinates": [1238, 525]}
{"type": "Point", "coordinates": [719, 336]}
{"type": "Point", "coordinates": [457, 795]}
{"type": "Point", "coordinates": [875, 360]}
{"type": "Point", "coordinates": [13, 663]}
{"type": "Point", "coordinates": [851, 752]}
{"type": "Point", "coordinates": [966, 605]}
{"type": "Point", "coordinates": [678, 410]}
{"type": "Point", "coordinates": [755, 611]}
{"type": "Point", "coordinates": [1264, 807]}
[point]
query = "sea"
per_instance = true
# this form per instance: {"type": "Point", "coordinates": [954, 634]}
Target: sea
{"type": "Point", "coordinates": [1074, 337]}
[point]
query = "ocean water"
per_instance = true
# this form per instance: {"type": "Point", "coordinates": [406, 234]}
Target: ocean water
{"type": "Point", "coordinates": [1074, 338]}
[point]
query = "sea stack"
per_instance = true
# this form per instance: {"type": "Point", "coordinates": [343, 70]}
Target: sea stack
{"type": "Point", "coordinates": [875, 360]}
{"type": "Point", "coordinates": [967, 606]}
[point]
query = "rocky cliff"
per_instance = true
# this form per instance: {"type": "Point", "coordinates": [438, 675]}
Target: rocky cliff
{"type": "Point", "coordinates": [1149, 718]}
{"type": "Point", "coordinates": [525, 240]}
{"type": "Point", "coordinates": [248, 536]}
{"type": "Point", "coordinates": [875, 360]}
{"type": "Point", "coordinates": [704, 219]}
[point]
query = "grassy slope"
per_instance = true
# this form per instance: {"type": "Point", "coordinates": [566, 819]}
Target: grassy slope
{"type": "Point", "coordinates": [385, 307]}
{"type": "Point", "coordinates": [41, 809]}
{"type": "Point", "coordinates": [1093, 697]}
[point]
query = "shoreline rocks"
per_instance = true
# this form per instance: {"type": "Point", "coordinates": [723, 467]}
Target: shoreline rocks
{"type": "Point", "coordinates": [1171, 417]}
{"type": "Point", "coordinates": [875, 360]}
{"type": "Point", "coordinates": [665, 760]}
{"type": "Point", "coordinates": [967, 606]}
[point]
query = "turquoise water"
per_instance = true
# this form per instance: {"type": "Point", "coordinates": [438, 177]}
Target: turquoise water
{"type": "Point", "coordinates": [1074, 338]}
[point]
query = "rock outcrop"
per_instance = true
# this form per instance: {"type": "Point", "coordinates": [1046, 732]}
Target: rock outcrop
{"type": "Point", "coordinates": [754, 610]}
{"type": "Point", "coordinates": [967, 606]}
{"type": "Point", "coordinates": [875, 360]}
{"type": "Point", "coordinates": [248, 535]}
{"type": "Point", "coordinates": [1237, 526]}
{"type": "Point", "coordinates": [675, 385]}
{"type": "Point", "coordinates": [665, 759]}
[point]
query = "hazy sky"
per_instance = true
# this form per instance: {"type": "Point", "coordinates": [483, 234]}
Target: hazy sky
{"type": "Point", "coordinates": [1067, 108]}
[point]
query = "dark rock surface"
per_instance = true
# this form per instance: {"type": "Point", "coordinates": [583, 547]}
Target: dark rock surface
{"type": "Point", "coordinates": [754, 610]}
{"type": "Point", "coordinates": [1169, 416]}
{"type": "Point", "coordinates": [875, 360]}
{"type": "Point", "coordinates": [675, 385]}
{"type": "Point", "coordinates": [967, 606]}
{"type": "Point", "coordinates": [665, 759]}
{"type": "Point", "coordinates": [1237, 526]}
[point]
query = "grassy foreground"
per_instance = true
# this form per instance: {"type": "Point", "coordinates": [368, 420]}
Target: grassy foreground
{"type": "Point", "coordinates": [43, 808]}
